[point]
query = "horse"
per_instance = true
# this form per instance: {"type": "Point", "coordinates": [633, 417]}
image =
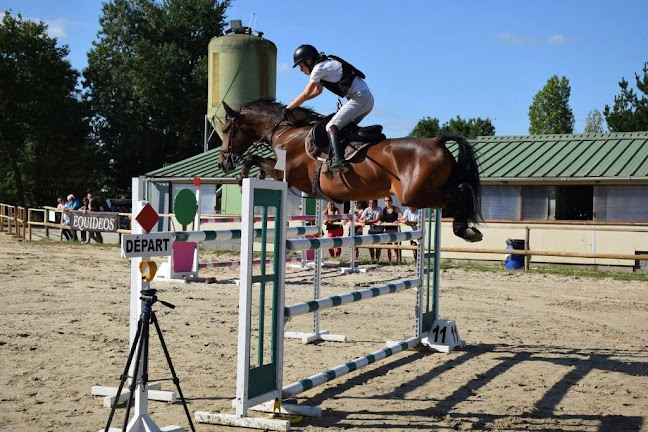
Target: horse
{"type": "Point", "coordinates": [420, 172]}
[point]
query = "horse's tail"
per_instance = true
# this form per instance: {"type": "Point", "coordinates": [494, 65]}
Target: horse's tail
{"type": "Point", "coordinates": [466, 178]}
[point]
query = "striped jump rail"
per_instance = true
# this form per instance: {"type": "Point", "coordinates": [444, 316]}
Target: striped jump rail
{"type": "Point", "coordinates": [343, 369]}
{"type": "Point", "coordinates": [235, 234]}
{"type": "Point", "coordinates": [338, 242]}
{"type": "Point", "coordinates": [238, 263]}
{"type": "Point", "coordinates": [350, 297]}
{"type": "Point", "coordinates": [223, 219]}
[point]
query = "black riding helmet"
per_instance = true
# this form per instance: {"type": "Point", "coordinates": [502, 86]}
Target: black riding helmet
{"type": "Point", "coordinates": [304, 52]}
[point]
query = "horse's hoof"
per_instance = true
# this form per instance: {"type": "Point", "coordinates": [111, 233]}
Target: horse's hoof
{"type": "Point", "coordinates": [473, 235]}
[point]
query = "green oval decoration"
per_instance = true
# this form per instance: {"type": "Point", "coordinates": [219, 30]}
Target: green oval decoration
{"type": "Point", "coordinates": [185, 206]}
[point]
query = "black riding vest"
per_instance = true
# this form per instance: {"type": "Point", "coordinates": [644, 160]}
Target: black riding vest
{"type": "Point", "coordinates": [349, 72]}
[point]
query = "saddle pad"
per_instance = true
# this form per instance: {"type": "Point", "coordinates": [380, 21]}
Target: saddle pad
{"type": "Point", "coordinates": [317, 142]}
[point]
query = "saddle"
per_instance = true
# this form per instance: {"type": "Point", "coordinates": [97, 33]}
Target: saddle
{"type": "Point", "coordinates": [353, 137]}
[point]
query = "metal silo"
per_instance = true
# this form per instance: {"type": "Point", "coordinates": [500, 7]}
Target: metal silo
{"type": "Point", "coordinates": [242, 67]}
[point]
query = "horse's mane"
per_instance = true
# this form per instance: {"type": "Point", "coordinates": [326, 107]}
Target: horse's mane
{"type": "Point", "coordinates": [269, 105]}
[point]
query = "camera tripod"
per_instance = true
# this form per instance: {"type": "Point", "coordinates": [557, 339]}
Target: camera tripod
{"type": "Point", "coordinates": [139, 351]}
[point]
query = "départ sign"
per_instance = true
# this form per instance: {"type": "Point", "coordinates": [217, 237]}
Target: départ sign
{"type": "Point", "coordinates": [147, 245]}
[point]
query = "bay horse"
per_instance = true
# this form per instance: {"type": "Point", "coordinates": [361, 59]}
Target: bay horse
{"type": "Point", "coordinates": [421, 172]}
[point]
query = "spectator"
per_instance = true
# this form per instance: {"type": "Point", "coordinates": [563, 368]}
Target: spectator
{"type": "Point", "coordinates": [390, 216]}
{"type": "Point", "coordinates": [72, 204]}
{"type": "Point", "coordinates": [333, 225]}
{"type": "Point", "coordinates": [65, 219]}
{"type": "Point", "coordinates": [93, 205]}
{"type": "Point", "coordinates": [411, 217]}
{"type": "Point", "coordinates": [371, 216]}
{"type": "Point", "coordinates": [85, 208]}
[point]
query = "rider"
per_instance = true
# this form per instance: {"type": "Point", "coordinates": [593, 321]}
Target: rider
{"type": "Point", "coordinates": [344, 80]}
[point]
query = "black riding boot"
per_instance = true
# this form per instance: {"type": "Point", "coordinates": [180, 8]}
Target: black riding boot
{"type": "Point", "coordinates": [337, 164]}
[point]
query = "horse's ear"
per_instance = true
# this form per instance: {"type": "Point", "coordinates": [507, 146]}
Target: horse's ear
{"type": "Point", "coordinates": [229, 111]}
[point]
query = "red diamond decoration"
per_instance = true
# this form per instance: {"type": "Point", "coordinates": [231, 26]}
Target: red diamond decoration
{"type": "Point", "coordinates": [147, 218]}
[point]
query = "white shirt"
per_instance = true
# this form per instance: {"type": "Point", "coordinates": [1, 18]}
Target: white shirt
{"type": "Point", "coordinates": [370, 214]}
{"type": "Point", "coordinates": [331, 70]}
{"type": "Point", "coordinates": [411, 216]}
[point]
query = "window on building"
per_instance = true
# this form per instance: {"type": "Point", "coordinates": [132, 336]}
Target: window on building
{"type": "Point", "coordinates": [574, 202]}
{"type": "Point", "coordinates": [621, 203]}
{"type": "Point", "coordinates": [535, 203]}
{"type": "Point", "coordinates": [501, 202]}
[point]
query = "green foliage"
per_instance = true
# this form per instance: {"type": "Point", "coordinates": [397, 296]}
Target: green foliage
{"type": "Point", "coordinates": [594, 122]}
{"type": "Point", "coordinates": [471, 128]}
{"type": "Point", "coordinates": [630, 113]}
{"type": "Point", "coordinates": [426, 128]}
{"type": "Point", "coordinates": [44, 151]}
{"type": "Point", "coordinates": [429, 127]}
{"type": "Point", "coordinates": [550, 112]}
{"type": "Point", "coordinates": [146, 81]}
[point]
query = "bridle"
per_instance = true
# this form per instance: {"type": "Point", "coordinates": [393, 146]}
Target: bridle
{"type": "Point", "coordinates": [266, 140]}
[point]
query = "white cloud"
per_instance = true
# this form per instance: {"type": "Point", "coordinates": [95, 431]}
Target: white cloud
{"type": "Point", "coordinates": [514, 40]}
{"type": "Point", "coordinates": [57, 28]}
{"type": "Point", "coordinates": [557, 39]}
{"type": "Point", "coordinates": [509, 39]}
{"type": "Point", "coordinates": [284, 67]}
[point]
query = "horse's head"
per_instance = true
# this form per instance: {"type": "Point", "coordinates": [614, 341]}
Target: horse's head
{"type": "Point", "coordinates": [238, 136]}
{"type": "Point", "coordinates": [255, 123]}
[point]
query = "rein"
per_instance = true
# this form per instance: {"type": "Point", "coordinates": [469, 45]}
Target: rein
{"type": "Point", "coordinates": [266, 139]}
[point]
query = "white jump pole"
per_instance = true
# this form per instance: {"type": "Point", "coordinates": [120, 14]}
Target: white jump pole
{"type": "Point", "coordinates": [141, 421]}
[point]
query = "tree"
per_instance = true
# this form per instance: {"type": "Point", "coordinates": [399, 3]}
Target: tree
{"type": "Point", "coordinates": [429, 127]}
{"type": "Point", "coordinates": [629, 113]}
{"type": "Point", "coordinates": [44, 150]}
{"type": "Point", "coordinates": [550, 112]}
{"type": "Point", "coordinates": [594, 122]}
{"type": "Point", "coordinates": [426, 128]}
{"type": "Point", "coordinates": [471, 128]}
{"type": "Point", "coordinates": [146, 81]}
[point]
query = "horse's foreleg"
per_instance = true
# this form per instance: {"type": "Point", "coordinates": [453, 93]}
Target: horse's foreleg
{"type": "Point", "coordinates": [266, 166]}
{"type": "Point", "coordinates": [245, 171]}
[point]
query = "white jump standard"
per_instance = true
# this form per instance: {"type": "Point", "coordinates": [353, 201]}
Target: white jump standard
{"type": "Point", "coordinates": [262, 384]}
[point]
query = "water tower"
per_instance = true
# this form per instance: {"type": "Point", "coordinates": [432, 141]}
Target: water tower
{"type": "Point", "coordinates": [242, 66]}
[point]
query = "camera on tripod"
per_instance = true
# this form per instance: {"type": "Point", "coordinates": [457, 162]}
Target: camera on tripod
{"type": "Point", "coordinates": [148, 295]}
{"type": "Point", "coordinates": [139, 355]}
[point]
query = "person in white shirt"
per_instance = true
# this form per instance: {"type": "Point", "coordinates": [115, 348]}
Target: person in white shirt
{"type": "Point", "coordinates": [371, 217]}
{"type": "Point", "coordinates": [411, 217]}
{"type": "Point", "coordinates": [341, 78]}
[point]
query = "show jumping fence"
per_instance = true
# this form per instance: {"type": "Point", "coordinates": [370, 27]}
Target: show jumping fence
{"type": "Point", "coordinates": [260, 385]}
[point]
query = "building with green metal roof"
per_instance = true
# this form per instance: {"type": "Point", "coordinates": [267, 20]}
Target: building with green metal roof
{"type": "Point", "coordinates": [599, 177]}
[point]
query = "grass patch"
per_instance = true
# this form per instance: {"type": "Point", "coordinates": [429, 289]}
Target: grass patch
{"type": "Point", "coordinates": [559, 271]}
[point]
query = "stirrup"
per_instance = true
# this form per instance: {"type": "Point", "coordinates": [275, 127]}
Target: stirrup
{"type": "Point", "coordinates": [338, 166]}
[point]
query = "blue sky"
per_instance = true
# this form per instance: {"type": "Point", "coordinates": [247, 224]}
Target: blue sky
{"type": "Point", "coordinates": [430, 58]}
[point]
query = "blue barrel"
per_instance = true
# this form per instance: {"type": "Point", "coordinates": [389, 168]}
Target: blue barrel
{"type": "Point", "coordinates": [514, 261]}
